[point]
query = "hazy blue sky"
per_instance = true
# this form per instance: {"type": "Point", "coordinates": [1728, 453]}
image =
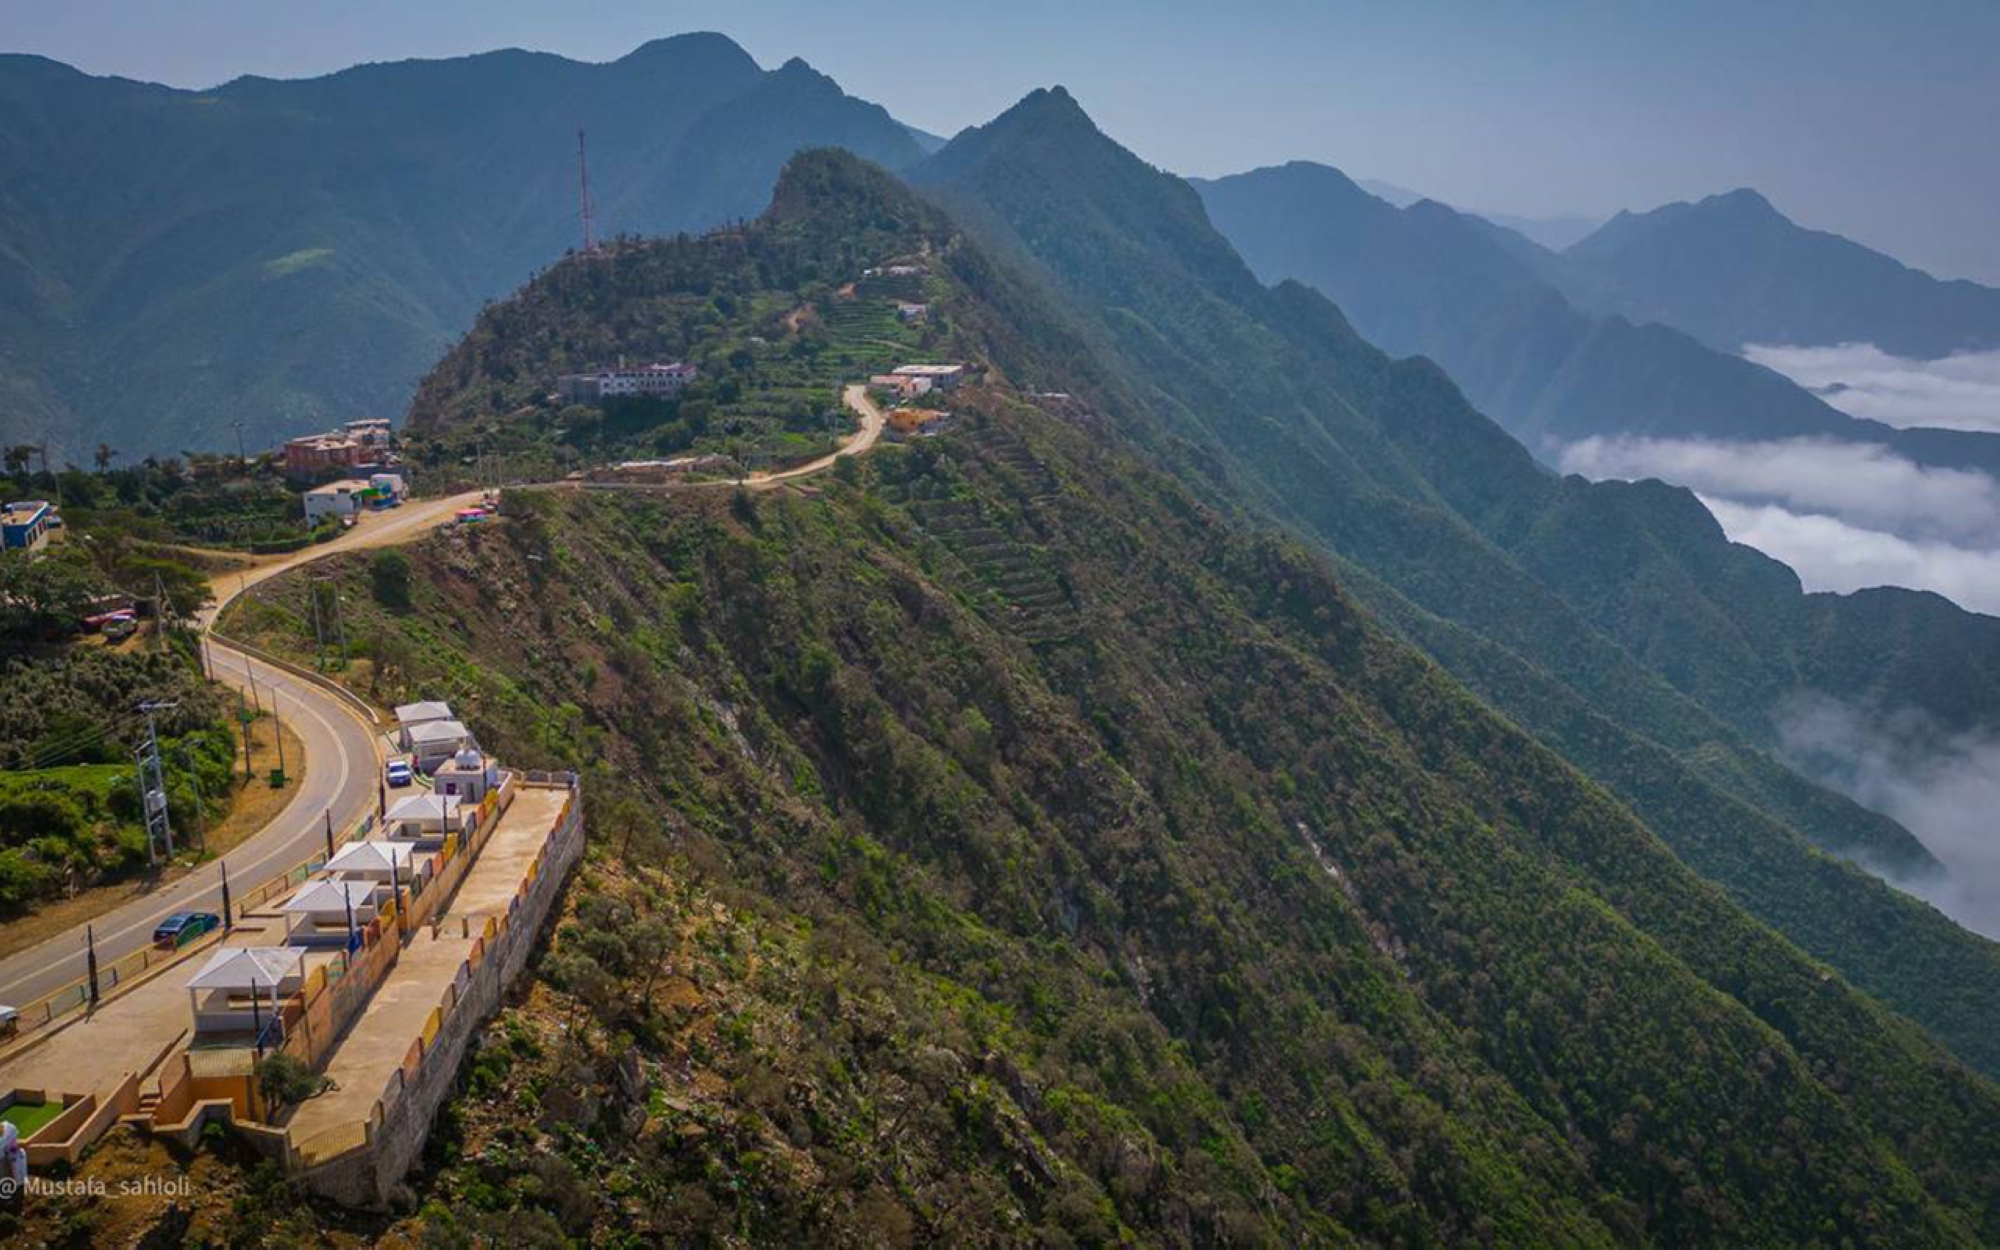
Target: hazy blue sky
{"type": "Point", "coordinates": [1875, 119]}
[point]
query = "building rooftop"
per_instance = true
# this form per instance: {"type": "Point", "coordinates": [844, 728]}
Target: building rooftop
{"type": "Point", "coordinates": [438, 731]}
{"type": "Point", "coordinates": [371, 856]}
{"type": "Point", "coordinates": [428, 709]}
{"type": "Point", "coordinates": [345, 486]}
{"type": "Point", "coordinates": [248, 968]}
{"type": "Point", "coordinates": [22, 511]}
{"type": "Point", "coordinates": [331, 896]}
{"type": "Point", "coordinates": [422, 807]}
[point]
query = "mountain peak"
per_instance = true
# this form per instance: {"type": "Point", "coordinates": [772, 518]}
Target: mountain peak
{"type": "Point", "coordinates": [1743, 201]}
{"type": "Point", "coordinates": [696, 47]}
{"type": "Point", "coordinates": [1047, 106]}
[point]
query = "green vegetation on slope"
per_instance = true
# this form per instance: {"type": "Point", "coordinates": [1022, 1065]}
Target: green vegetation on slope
{"type": "Point", "coordinates": [1036, 844]}
{"type": "Point", "coordinates": [1564, 598]}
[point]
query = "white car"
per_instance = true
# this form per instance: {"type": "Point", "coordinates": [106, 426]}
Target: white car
{"type": "Point", "coordinates": [398, 774]}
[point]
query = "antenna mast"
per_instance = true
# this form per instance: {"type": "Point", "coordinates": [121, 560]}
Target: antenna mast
{"type": "Point", "coordinates": [583, 191]}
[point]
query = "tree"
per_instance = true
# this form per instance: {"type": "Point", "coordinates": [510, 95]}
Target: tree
{"type": "Point", "coordinates": [46, 595]}
{"type": "Point", "coordinates": [18, 458]}
{"type": "Point", "coordinates": [106, 453]}
{"type": "Point", "coordinates": [390, 574]}
{"type": "Point", "coordinates": [285, 1080]}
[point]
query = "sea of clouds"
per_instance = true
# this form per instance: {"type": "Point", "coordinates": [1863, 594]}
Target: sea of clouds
{"type": "Point", "coordinates": [1959, 392]}
{"type": "Point", "coordinates": [1943, 787]}
{"type": "Point", "coordinates": [1844, 516]}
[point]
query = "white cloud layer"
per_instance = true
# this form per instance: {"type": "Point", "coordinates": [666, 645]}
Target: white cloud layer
{"type": "Point", "coordinates": [1959, 392]}
{"type": "Point", "coordinates": [1829, 554]}
{"type": "Point", "coordinates": [1945, 788]}
{"type": "Point", "coordinates": [1844, 516]}
{"type": "Point", "coordinates": [1863, 483]}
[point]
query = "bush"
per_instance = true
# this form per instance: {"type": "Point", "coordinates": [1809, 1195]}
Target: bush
{"type": "Point", "coordinates": [390, 575]}
{"type": "Point", "coordinates": [285, 1080]}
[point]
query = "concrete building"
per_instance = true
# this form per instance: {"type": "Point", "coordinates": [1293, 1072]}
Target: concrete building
{"type": "Point", "coordinates": [907, 423]}
{"type": "Point", "coordinates": [433, 742]}
{"type": "Point", "coordinates": [901, 387]}
{"type": "Point", "coordinates": [410, 715]}
{"type": "Point", "coordinates": [906, 312]}
{"type": "Point", "coordinates": [372, 432]}
{"type": "Point", "coordinates": [942, 377]}
{"type": "Point", "coordinates": [390, 489]}
{"type": "Point", "coordinates": [25, 524]}
{"type": "Point", "coordinates": [468, 775]}
{"type": "Point", "coordinates": [342, 499]}
{"type": "Point", "coordinates": [657, 380]}
{"type": "Point", "coordinates": [311, 454]}
{"type": "Point", "coordinates": [425, 819]}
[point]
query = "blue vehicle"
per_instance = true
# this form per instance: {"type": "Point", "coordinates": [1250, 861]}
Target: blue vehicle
{"type": "Point", "coordinates": [183, 927]}
{"type": "Point", "coordinates": [398, 774]}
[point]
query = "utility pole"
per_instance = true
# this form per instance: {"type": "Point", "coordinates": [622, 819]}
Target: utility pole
{"type": "Point", "coordinates": [339, 621]}
{"type": "Point", "coordinates": [319, 634]}
{"type": "Point", "coordinates": [583, 192]}
{"type": "Point", "coordinates": [228, 919]}
{"type": "Point", "coordinates": [200, 815]}
{"type": "Point", "coordinates": [159, 612]}
{"type": "Point", "coordinates": [153, 786]}
{"type": "Point", "coordinates": [277, 729]}
{"type": "Point", "coordinates": [244, 718]}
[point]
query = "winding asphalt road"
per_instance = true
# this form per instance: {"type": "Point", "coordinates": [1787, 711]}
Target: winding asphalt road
{"type": "Point", "coordinates": [342, 747]}
{"type": "Point", "coordinates": [341, 780]}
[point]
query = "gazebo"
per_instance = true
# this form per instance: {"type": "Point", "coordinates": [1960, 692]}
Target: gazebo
{"type": "Point", "coordinates": [424, 818]}
{"type": "Point", "coordinates": [434, 742]}
{"type": "Point", "coordinates": [378, 860]}
{"type": "Point", "coordinates": [240, 987]}
{"type": "Point", "coordinates": [329, 911]}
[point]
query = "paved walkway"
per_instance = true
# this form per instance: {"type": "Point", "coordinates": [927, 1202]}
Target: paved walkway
{"type": "Point", "coordinates": [128, 1033]}
{"type": "Point", "coordinates": [365, 1061]}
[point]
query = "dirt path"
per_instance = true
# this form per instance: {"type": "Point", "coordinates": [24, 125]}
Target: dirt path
{"type": "Point", "coordinates": [873, 421]}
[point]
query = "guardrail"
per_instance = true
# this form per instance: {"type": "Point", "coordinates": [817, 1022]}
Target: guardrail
{"type": "Point", "coordinates": [300, 671]}
{"type": "Point", "coordinates": [58, 1004]}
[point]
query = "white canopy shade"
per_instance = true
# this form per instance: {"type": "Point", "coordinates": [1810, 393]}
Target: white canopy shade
{"type": "Point", "coordinates": [371, 856]}
{"type": "Point", "coordinates": [423, 807]}
{"type": "Point", "coordinates": [439, 731]}
{"type": "Point", "coordinates": [248, 968]}
{"type": "Point", "coordinates": [415, 713]}
{"type": "Point", "coordinates": [323, 896]}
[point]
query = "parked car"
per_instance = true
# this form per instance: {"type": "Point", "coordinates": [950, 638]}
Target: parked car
{"type": "Point", "coordinates": [10, 1020]}
{"type": "Point", "coordinates": [183, 927]}
{"type": "Point", "coordinates": [398, 774]}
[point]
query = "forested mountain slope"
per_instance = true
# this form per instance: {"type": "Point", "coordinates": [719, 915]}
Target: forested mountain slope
{"type": "Point", "coordinates": [289, 254]}
{"type": "Point", "coordinates": [1005, 839]}
{"type": "Point", "coordinates": [1616, 621]}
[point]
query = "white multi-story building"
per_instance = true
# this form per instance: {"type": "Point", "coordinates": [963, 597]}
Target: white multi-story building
{"type": "Point", "coordinates": [654, 380]}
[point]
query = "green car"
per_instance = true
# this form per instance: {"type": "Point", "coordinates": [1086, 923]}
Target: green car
{"type": "Point", "coordinates": [183, 927]}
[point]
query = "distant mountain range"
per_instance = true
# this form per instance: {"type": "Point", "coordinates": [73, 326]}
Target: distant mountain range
{"type": "Point", "coordinates": [1555, 233]}
{"type": "Point", "coordinates": [286, 254]}
{"type": "Point", "coordinates": [1733, 270]}
{"type": "Point", "coordinates": [1531, 334]}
